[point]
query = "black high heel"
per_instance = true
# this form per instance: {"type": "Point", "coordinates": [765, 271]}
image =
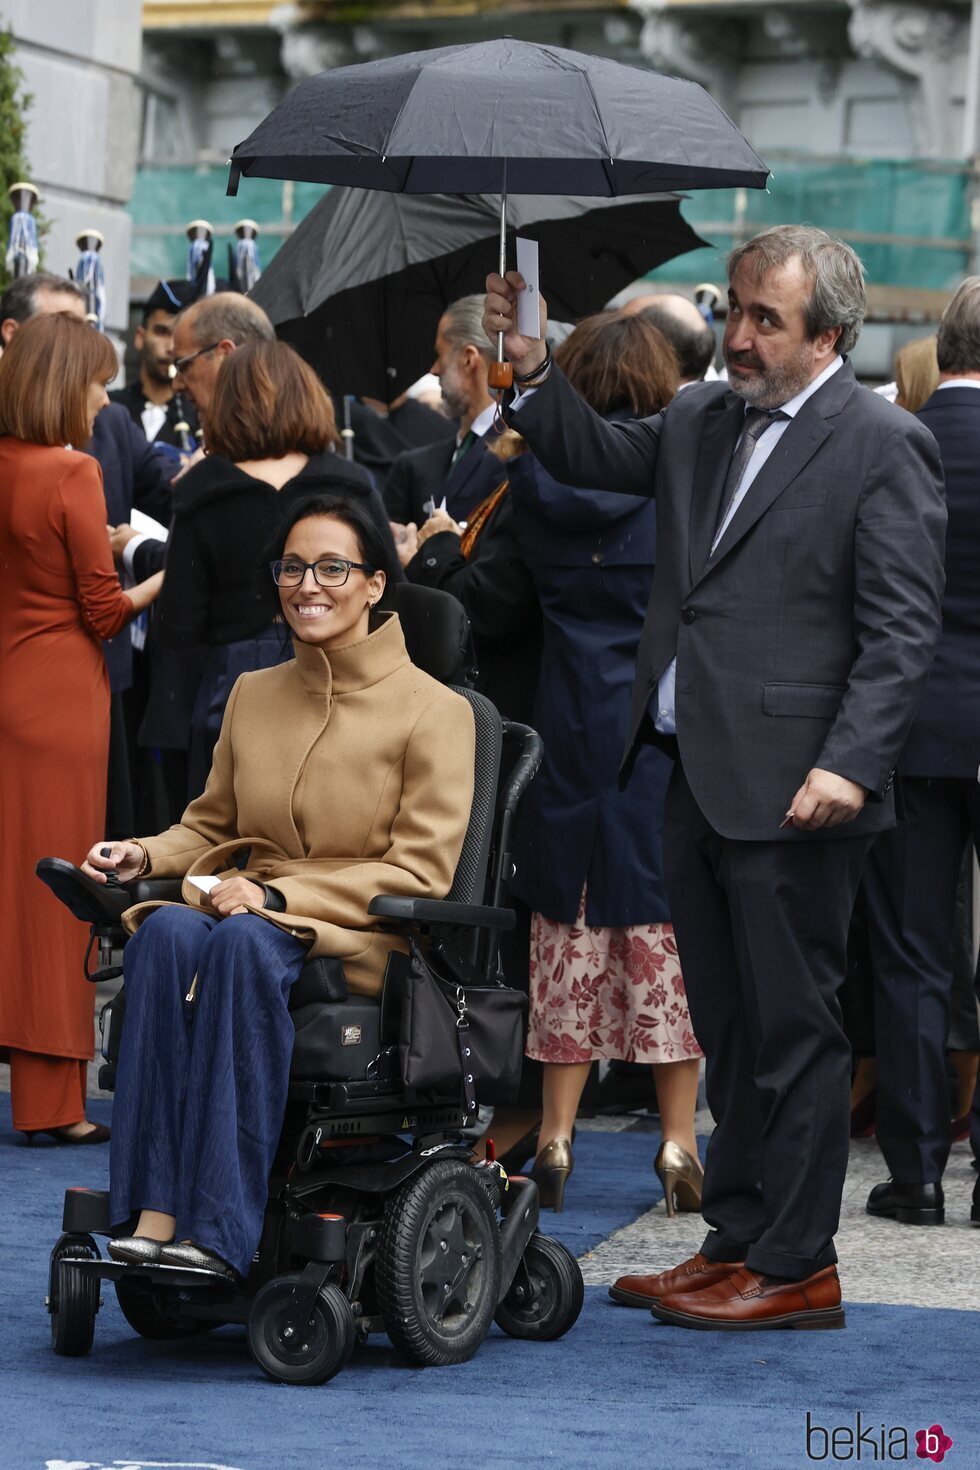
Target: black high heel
{"type": "Point", "coordinates": [98, 1133]}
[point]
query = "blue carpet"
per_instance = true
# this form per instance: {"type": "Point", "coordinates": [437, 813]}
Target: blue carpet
{"type": "Point", "coordinates": [619, 1389]}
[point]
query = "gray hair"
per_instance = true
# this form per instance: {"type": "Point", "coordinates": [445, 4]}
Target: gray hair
{"type": "Point", "coordinates": [19, 301]}
{"type": "Point", "coordinates": [227, 316]}
{"type": "Point", "coordinates": [837, 297]}
{"type": "Point", "coordinates": [958, 342]}
{"type": "Point", "coordinates": [464, 325]}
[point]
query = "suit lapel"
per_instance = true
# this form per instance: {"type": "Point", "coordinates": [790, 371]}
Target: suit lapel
{"type": "Point", "coordinates": [464, 469]}
{"type": "Point", "coordinates": [722, 426]}
{"type": "Point", "coordinates": [797, 446]}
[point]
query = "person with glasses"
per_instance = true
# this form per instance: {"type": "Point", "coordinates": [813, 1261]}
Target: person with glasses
{"type": "Point", "coordinates": [346, 772]}
{"type": "Point", "coordinates": [208, 331]}
{"type": "Point", "coordinates": [270, 434]}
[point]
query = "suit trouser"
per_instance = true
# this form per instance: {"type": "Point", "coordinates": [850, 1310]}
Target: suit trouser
{"type": "Point", "coordinates": [911, 881]}
{"type": "Point", "coordinates": [762, 936]}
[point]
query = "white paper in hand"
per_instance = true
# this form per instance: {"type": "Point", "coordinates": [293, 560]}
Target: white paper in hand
{"type": "Point", "coordinates": [205, 884]}
{"type": "Point", "coordinates": [147, 526]}
{"type": "Point", "coordinates": [528, 318]}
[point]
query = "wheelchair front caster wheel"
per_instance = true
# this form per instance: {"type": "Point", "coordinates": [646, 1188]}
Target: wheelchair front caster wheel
{"type": "Point", "coordinates": [74, 1300]}
{"type": "Point", "coordinates": [295, 1347]}
{"type": "Point", "coordinates": [546, 1295]}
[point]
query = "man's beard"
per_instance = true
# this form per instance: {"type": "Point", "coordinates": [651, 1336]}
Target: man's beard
{"type": "Point", "coordinates": [155, 370]}
{"type": "Point", "coordinates": [771, 387]}
{"type": "Point", "coordinates": [453, 396]}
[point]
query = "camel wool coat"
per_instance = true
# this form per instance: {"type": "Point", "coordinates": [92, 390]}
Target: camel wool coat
{"type": "Point", "coordinates": [344, 775]}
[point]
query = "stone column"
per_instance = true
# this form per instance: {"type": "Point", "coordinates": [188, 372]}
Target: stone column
{"type": "Point", "coordinates": [80, 61]}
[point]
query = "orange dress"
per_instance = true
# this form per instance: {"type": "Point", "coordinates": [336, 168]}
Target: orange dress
{"type": "Point", "coordinates": [59, 597]}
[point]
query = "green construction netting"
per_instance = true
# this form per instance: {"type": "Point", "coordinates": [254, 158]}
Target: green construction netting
{"type": "Point", "coordinates": [856, 198]}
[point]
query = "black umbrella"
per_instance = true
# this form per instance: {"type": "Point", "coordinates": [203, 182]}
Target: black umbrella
{"type": "Point", "coordinates": [495, 117]}
{"type": "Point", "coordinates": [360, 286]}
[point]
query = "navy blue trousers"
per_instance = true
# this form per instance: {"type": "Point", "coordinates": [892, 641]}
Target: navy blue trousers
{"type": "Point", "coordinates": [201, 1086]}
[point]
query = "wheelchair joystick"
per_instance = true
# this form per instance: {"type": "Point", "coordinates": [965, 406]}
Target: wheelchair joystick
{"type": "Point", "coordinates": [112, 879]}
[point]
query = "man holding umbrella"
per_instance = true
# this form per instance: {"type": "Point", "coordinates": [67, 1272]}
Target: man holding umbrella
{"type": "Point", "coordinates": [794, 612]}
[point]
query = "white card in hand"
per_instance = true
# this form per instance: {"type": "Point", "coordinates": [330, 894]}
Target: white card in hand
{"type": "Point", "coordinates": [528, 318]}
{"type": "Point", "coordinates": [205, 884]}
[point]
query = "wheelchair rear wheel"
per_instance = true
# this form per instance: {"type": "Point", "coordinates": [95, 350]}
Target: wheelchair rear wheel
{"type": "Point", "coordinates": [75, 1301]}
{"type": "Point", "coordinates": [146, 1312]}
{"type": "Point", "coordinates": [546, 1295]}
{"type": "Point", "coordinates": [292, 1350]}
{"type": "Point", "coordinates": [438, 1265]}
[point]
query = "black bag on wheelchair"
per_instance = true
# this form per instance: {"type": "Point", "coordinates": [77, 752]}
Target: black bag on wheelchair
{"type": "Point", "coordinates": [458, 1033]}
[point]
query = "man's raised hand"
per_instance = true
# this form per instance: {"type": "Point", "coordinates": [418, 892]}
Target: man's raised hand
{"type": "Point", "coordinates": [500, 314]}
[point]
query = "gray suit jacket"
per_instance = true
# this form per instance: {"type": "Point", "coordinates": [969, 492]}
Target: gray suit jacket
{"type": "Point", "coordinates": [805, 640]}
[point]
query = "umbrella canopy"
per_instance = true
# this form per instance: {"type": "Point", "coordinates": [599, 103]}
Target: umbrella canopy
{"type": "Point", "coordinates": [496, 117]}
{"type": "Point", "coordinates": [360, 286]}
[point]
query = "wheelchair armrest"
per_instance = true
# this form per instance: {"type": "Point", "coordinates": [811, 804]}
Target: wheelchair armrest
{"type": "Point", "coordinates": [440, 911]}
{"type": "Point", "coordinates": [156, 890]}
{"type": "Point", "coordinates": [93, 903]}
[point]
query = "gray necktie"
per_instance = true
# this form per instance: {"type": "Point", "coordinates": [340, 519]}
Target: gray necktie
{"type": "Point", "coordinates": [757, 421]}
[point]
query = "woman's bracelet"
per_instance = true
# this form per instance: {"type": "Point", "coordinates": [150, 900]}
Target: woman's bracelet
{"type": "Point", "coordinates": [537, 375]}
{"type": "Point", "coordinates": [145, 868]}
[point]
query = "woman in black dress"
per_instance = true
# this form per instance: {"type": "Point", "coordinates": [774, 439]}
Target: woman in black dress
{"type": "Point", "coordinates": [270, 436]}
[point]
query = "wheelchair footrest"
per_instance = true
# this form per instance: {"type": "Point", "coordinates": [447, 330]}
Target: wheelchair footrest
{"type": "Point", "coordinates": [86, 1212]}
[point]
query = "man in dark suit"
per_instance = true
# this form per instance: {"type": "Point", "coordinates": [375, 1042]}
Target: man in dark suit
{"type": "Point", "coordinates": [163, 415]}
{"type": "Point", "coordinates": [794, 611]}
{"type": "Point", "coordinates": [912, 873]}
{"type": "Point", "coordinates": [461, 471]}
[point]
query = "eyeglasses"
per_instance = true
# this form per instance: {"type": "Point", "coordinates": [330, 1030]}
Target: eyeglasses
{"type": "Point", "coordinates": [331, 571]}
{"type": "Point", "coordinates": [180, 364]}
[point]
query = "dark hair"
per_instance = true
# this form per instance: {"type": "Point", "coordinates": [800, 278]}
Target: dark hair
{"type": "Point", "coordinates": [958, 342]}
{"type": "Point", "coordinates": [620, 364]}
{"type": "Point", "coordinates": [694, 347]}
{"type": "Point", "coordinates": [19, 301]}
{"type": "Point", "coordinates": [266, 403]}
{"type": "Point", "coordinates": [375, 551]}
{"type": "Point", "coordinates": [45, 375]}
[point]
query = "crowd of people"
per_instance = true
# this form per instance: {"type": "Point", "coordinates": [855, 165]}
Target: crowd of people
{"type": "Point", "coordinates": [738, 582]}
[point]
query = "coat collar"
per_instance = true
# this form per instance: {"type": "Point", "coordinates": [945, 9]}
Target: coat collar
{"type": "Point", "coordinates": [359, 665]}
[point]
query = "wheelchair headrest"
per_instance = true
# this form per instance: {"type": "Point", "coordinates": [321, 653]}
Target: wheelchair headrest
{"type": "Point", "coordinates": [436, 629]}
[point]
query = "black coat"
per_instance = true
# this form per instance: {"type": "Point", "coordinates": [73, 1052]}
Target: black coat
{"type": "Point", "coordinates": [179, 410]}
{"type": "Point", "coordinates": [422, 475]}
{"type": "Point", "coordinates": [591, 557]}
{"type": "Point", "coordinates": [132, 475]}
{"type": "Point", "coordinates": [496, 589]}
{"type": "Point", "coordinates": [945, 736]}
{"type": "Point", "coordinates": [216, 590]}
{"type": "Point", "coordinates": [805, 639]}
{"type": "Point", "coordinates": [379, 441]}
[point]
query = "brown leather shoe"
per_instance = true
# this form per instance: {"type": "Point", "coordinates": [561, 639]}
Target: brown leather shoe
{"type": "Point", "coordinates": [747, 1301]}
{"type": "Point", "coordinates": [692, 1275]}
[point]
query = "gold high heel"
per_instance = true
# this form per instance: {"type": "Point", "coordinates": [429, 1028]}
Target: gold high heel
{"type": "Point", "coordinates": [550, 1173]}
{"type": "Point", "coordinates": [681, 1177]}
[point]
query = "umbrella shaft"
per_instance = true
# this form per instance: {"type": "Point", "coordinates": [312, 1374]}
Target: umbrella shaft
{"type": "Point", "coordinates": [503, 248]}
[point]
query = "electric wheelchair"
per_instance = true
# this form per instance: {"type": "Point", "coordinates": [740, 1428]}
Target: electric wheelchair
{"type": "Point", "coordinates": [377, 1220]}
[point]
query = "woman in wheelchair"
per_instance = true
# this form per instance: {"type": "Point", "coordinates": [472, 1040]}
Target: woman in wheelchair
{"type": "Point", "coordinates": [341, 774]}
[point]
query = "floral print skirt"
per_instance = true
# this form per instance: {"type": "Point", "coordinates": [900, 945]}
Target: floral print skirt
{"type": "Point", "coordinates": [609, 993]}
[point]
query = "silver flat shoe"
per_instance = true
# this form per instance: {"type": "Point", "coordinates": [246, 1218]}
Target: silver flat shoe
{"type": "Point", "coordinates": [196, 1259]}
{"type": "Point", "coordinates": [135, 1250]}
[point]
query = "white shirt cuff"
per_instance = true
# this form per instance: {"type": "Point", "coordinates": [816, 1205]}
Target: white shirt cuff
{"type": "Point", "coordinates": [129, 551]}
